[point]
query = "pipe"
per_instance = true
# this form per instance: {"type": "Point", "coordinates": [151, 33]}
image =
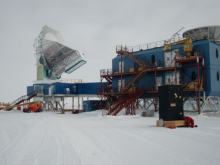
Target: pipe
{"type": "Point", "coordinates": [175, 72]}
{"type": "Point", "coordinates": [198, 101]}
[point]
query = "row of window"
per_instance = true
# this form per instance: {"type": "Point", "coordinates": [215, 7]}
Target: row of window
{"type": "Point", "coordinates": [193, 75]}
{"type": "Point", "coordinates": [153, 57]}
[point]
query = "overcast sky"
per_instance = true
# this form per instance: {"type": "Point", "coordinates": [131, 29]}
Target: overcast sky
{"type": "Point", "coordinates": [94, 27]}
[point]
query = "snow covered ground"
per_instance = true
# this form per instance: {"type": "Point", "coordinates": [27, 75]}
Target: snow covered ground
{"type": "Point", "coordinates": [48, 138]}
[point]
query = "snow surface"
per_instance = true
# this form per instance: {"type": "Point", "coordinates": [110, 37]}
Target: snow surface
{"type": "Point", "coordinates": [49, 138]}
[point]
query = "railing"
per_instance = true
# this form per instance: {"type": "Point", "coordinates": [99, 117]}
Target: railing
{"type": "Point", "coordinates": [4, 104]}
{"type": "Point", "coordinates": [24, 97]}
{"type": "Point", "coordinates": [128, 69]}
{"type": "Point", "coordinates": [68, 80]}
{"type": "Point", "coordinates": [147, 46]}
{"type": "Point", "coordinates": [105, 72]}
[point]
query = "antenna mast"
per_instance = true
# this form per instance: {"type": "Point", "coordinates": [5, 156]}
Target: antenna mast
{"type": "Point", "coordinates": [177, 33]}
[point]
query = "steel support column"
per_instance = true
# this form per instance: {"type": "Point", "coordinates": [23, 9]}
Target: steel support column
{"type": "Point", "coordinates": [198, 77]}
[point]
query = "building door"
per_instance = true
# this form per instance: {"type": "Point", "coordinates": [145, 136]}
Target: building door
{"type": "Point", "coordinates": [51, 90]}
{"type": "Point", "coordinates": [153, 59]}
{"type": "Point", "coordinates": [159, 82]}
{"type": "Point", "coordinates": [121, 67]}
{"type": "Point", "coordinates": [119, 84]}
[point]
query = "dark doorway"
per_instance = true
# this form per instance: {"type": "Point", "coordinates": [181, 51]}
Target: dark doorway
{"type": "Point", "coordinates": [193, 76]}
{"type": "Point", "coordinates": [217, 76]}
{"type": "Point", "coordinates": [153, 59]}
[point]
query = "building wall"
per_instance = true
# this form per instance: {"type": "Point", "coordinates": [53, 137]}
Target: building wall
{"type": "Point", "coordinates": [60, 88]}
{"type": "Point", "coordinates": [89, 88]}
{"type": "Point", "coordinates": [214, 69]}
{"type": "Point", "coordinates": [205, 48]}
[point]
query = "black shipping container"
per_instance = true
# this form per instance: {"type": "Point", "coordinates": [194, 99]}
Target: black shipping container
{"type": "Point", "coordinates": [171, 102]}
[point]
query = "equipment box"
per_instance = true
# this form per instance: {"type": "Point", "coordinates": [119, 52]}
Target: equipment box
{"type": "Point", "coordinates": [171, 102]}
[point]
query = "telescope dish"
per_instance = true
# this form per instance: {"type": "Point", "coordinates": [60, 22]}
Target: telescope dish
{"type": "Point", "coordinates": [53, 57]}
{"type": "Point", "coordinates": [208, 32]}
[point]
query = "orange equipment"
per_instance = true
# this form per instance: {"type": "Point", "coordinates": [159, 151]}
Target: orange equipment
{"type": "Point", "coordinates": [33, 106]}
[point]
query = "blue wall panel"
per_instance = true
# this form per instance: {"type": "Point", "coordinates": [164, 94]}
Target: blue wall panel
{"type": "Point", "coordinates": [89, 88]}
{"type": "Point", "coordinates": [59, 88]}
{"type": "Point", "coordinates": [46, 89]}
{"type": "Point", "coordinates": [91, 105]}
{"type": "Point", "coordinates": [30, 90]}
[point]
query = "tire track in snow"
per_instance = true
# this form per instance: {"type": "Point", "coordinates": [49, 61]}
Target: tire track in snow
{"type": "Point", "coordinates": [16, 140]}
{"type": "Point", "coordinates": [42, 146]}
{"type": "Point", "coordinates": [158, 147]}
{"type": "Point", "coordinates": [28, 145]}
{"type": "Point", "coordinates": [108, 148]}
{"type": "Point", "coordinates": [86, 149]}
{"type": "Point", "coordinates": [65, 154]}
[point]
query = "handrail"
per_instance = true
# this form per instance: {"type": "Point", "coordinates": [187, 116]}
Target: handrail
{"type": "Point", "coordinates": [148, 45]}
{"type": "Point", "coordinates": [19, 99]}
{"type": "Point", "coordinates": [68, 80]}
{"type": "Point", "coordinates": [24, 97]}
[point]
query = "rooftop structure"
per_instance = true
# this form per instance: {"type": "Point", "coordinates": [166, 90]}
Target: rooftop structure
{"type": "Point", "coordinates": [206, 32]}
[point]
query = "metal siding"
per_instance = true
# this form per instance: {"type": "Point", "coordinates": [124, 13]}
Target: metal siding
{"type": "Point", "coordinates": [215, 85]}
{"type": "Point", "coordinates": [89, 88]}
{"type": "Point", "coordinates": [30, 89]}
{"type": "Point", "coordinates": [59, 88]}
{"type": "Point", "coordinates": [115, 84]}
{"type": "Point", "coordinates": [212, 66]}
{"type": "Point", "coordinates": [46, 89]}
{"type": "Point", "coordinates": [89, 105]}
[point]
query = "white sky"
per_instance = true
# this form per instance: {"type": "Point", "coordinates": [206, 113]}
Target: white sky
{"type": "Point", "coordinates": [93, 26]}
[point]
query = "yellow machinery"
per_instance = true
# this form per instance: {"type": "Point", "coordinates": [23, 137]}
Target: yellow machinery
{"type": "Point", "coordinates": [187, 46]}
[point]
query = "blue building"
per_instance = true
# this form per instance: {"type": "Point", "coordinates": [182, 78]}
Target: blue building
{"type": "Point", "coordinates": [59, 88]}
{"type": "Point", "coordinates": [53, 95]}
{"type": "Point", "coordinates": [192, 61]}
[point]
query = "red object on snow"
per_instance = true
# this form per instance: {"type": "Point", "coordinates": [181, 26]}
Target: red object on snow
{"type": "Point", "coordinates": [189, 121]}
{"type": "Point", "coordinates": [172, 127]}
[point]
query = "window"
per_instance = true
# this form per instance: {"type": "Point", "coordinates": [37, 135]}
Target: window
{"type": "Point", "coordinates": [193, 76]}
{"type": "Point", "coordinates": [153, 59]}
{"type": "Point", "coordinates": [217, 75]}
{"type": "Point", "coordinates": [216, 53]}
{"type": "Point", "coordinates": [159, 63]}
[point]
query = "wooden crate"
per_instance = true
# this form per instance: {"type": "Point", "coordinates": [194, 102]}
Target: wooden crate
{"type": "Point", "coordinates": [132, 89]}
{"type": "Point", "coordinates": [175, 123]}
{"type": "Point", "coordinates": [131, 70]}
{"type": "Point", "coordinates": [140, 69]}
{"type": "Point", "coordinates": [74, 111]}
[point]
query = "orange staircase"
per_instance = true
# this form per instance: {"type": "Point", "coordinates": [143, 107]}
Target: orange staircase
{"type": "Point", "coordinates": [117, 106]}
{"type": "Point", "coordinates": [22, 99]}
{"type": "Point", "coordinates": [134, 80]}
{"type": "Point", "coordinates": [125, 98]}
{"type": "Point", "coordinates": [139, 60]}
{"type": "Point", "coordinates": [132, 57]}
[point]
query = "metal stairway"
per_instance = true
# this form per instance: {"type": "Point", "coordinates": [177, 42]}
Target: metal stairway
{"type": "Point", "coordinates": [126, 98]}
{"type": "Point", "coordinates": [117, 106]}
{"type": "Point", "coordinates": [139, 60]}
{"type": "Point", "coordinates": [134, 80]}
{"type": "Point", "coordinates": [22, 99]}
{"type": "Point", "coordinates": [132, 57]}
